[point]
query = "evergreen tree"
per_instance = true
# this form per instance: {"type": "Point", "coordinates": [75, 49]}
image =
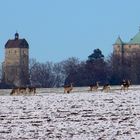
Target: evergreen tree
{"type": "Point", "coordinates": [96, 55]}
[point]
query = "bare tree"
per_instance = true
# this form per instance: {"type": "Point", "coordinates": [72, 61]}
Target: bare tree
{"type": "Point", "coordinates": [58, 74]}
{"type": "Point", "coordinates": [70, 67]}
{"type": "Point", "coordinates": [41, 74]}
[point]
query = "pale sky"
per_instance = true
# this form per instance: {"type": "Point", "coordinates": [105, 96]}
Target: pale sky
{"type": "Point", "coordinates": [59, 29]}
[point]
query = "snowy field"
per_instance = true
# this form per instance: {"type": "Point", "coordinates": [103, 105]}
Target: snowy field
{"type": "Point", "coordinates": [80, 115]}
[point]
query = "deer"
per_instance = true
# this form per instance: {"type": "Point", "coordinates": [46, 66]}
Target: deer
{"type": "Point", "coordinates": [32, 89]}
{"type": "Point", "coordinates": [125, 85]}
{"type": "Point", "coordinates": [68, 88]}
{"type": "Point", "coordinates": [18, 90]}
{"type": "Point", "coordinates": [14, 91]}
{"type": "Point", "coordinates": [106, 88]}
{"type": "Point", "coordinates": [94, 86]}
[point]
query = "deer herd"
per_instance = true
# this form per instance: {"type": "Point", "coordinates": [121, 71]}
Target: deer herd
{"type": "Point", "coordinates": [23, 90]}
{"type": "Point", "coordinates": [68, 88]}
{"type": "Point", "coordinates": [94, 87]}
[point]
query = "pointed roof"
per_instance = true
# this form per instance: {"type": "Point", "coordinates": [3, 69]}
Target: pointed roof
{"type": "Point", "coordinates": [118, 41]}
{"type": "Point", "coordinates": [135, 39]}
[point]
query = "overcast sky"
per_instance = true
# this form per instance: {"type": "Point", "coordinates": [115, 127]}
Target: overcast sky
{"type": "Point", "coordinates": [59, 29]}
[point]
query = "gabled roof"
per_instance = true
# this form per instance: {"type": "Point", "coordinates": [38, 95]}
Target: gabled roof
{"type": "Point", "coordinates": [135, 39]}
{"type": "Point", "coordinates": [17, 43]}
{"type": "Point", "coordinates": [118, 41]}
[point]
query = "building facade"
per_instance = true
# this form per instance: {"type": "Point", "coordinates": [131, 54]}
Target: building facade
{"type": "Point", "coordinates": [16, 63]}
{"type": "Point", "coordinates": [126, 49]}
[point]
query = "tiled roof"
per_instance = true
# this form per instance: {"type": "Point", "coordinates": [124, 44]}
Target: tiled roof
{"type": "Point", "coordinates": [17, 43]}
{"type": "Point", "coordinates": [135, 39]}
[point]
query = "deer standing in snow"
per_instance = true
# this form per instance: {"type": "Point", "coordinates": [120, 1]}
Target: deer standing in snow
{"type": "Point", "coordinates": [106, 88]}
{"type": "Point", "coordinates": [68, 88]}
{"type": "Point", "coordinates": [94, 86]}
{"type": "Point", "coordinates": [125, 85]}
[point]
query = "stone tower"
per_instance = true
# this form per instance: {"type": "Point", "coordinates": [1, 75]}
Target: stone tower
{"type": "Point", "coordinates": [16, 63]}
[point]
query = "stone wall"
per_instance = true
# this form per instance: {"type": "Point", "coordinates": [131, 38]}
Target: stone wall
{"type": "Point", "coordinates": [128, 50]}
{"type": "Point", "coordinates": [16, 66]}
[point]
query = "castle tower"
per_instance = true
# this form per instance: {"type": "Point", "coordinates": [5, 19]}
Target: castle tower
{"type": "Point", "coordinates": [16, 63]}
{"type": "Point", "coordinates": [118, 47]}
{"type": "Point", "coordinates": [127, 49]}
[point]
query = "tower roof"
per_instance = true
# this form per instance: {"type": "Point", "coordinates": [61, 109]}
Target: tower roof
{"type": "Point", "coordinates": [118, 41]}
{"type": "Point", "coordinates": [16, 35]}
{"type": "Point", "coordinates": [17, 43]}
{"type": "Point", "coordinates": [135, 39]}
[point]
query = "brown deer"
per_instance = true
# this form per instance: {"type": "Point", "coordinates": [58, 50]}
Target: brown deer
{"type": "Point", "coordinates": [68, 88]}
{"type": "Point", "coordinates": [14, 91]}
{"type": "Point", "coordinates": [32, 90]}
{"type": "Point", "coordinates": [18, 90]}
{"type": "Point", "coordinates": [125, 85]}
{"type": "Point", "coordinates": [94, 86]}
{"type": "Point", "coordinates": [106, 88]}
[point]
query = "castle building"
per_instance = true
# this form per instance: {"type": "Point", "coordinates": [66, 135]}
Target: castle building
{"type": "Point", "coordinates": [16, 63]}
{"type": "Point", "coordinates": [130, 48]}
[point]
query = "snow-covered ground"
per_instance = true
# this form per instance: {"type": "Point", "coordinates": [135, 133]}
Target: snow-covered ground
{"type": "Point", "coordinates": [80, 115]}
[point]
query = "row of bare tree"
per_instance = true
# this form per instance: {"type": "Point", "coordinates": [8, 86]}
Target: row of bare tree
{"type": "Point", "coordinates": [110, 70]}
